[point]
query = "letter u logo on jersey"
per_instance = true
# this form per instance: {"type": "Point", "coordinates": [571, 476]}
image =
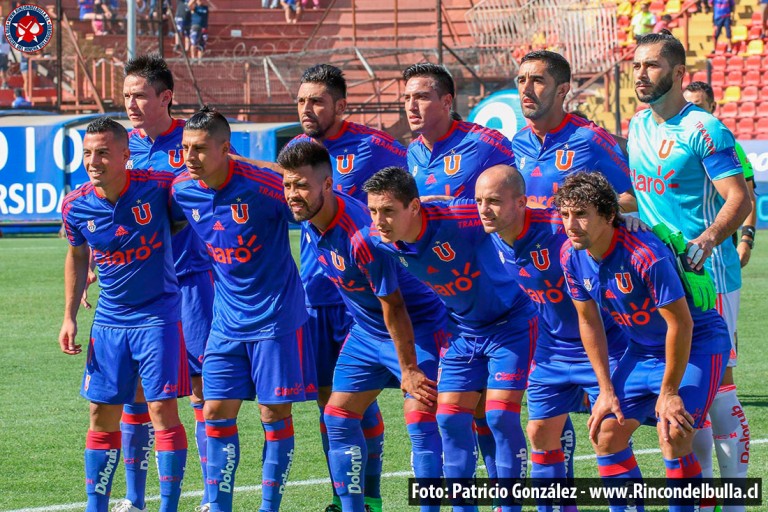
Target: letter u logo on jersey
{"type": "Point", "coordinates": [666, 148]}
{"type": "Point", "coordinates": [345, 163]}
{"type": "Point", "coordinates": [142, 214]}
{"type": "Point", "coordinates": [624, 282]}
{"type": "Point", "coordinates": [444, 251]}
{"type": "Point", "coordinates": [338, 261]}
{"type": "Point", "coordinates": [452, 164]}
{"type": "Point", "coordinates": [176, 158]}
{"type": "Point", "coordinates": [564, 159]}
{"type": "Point", "coordinates": [240, 213]}
{"type": "Point", "coordinates": [540, 259]}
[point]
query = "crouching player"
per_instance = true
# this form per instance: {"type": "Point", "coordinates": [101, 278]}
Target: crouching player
{"type": "Point", "coordinates": [677, 353]}
{"type": "Point", "coordinates": [122, 215]}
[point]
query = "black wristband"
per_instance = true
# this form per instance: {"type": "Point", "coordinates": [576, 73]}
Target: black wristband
{"type": "Point", "coordinates": [748, 231]}
{"type": "Point", "coordinates": [750, 243]}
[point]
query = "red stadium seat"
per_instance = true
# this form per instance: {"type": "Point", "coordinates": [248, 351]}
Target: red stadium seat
{"type": "Point", "coordinates": [623, 21]}
{"type": "Point", "coordinates": [729, 110]}
{"type": "Point", "coordinates": [764, 91]}
{"type": "Point", "coordinates": [747, 109]}
{"type": "Point", "coordinates": [735, 64]}
{"type": "Point", "coordinates": [755, 33]}
{"type": "Point", "coordinates": [752, 78]}
{"type": "Point", "coordinates": [745, 128]}
{"type": "Point", "coordinates": [718, 91]}
{"type": "Point", "coordinates": [657, 7]}
{"type": "Point", "coordinates": [762, 109]}
{"type": "Point", "coordinates": [749, 93]}
{"type": "Point", "coordinates": [700, 76]}
{"type": "Point", "coordinates": [719, 62]}
{"type": "Point", "coordinates": [718, 78]}
{"type": "Point", "coordinates": [720, 49]}
{"type": "Point", "coordinates": [753, 62]}
{"type": "Point", "coordinates": [729, 123]}
{"type": "Point", "coordinates": [757, 19]}
{"type": "Point", "coordinates": [761, 128]}
{"type": "Point", "coordinates": [734, 78]}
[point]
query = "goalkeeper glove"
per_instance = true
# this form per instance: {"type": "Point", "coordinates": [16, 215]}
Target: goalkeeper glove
{"type": "Point", "coordinates": [698, 284]}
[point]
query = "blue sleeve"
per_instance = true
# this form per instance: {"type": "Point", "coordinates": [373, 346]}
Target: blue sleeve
{"type": "Point", "coordinates": [74, 236]}
{"type": "Point", "coordinates": [575, 289]}
{"type": "Point", "coordinates": [663, 282]}
{"type": "Point", "coordinates": [378, 267]}
{"type": "Point", "coordinates": [714, 144]}
{"type": "Point", "coordinates": [612, 162]}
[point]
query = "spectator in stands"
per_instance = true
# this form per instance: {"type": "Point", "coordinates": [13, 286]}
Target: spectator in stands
{"type": "Point", "coordinates": [86, 9]}
{"type": "Point", "coordinates": [183, 20]}
{"type": "Point", "coordinates": [266, 4]}
{"type": "Point", "coordinates": [153, 15]}
{"type": "Point", "coordinates": [703, 4]}
{"type": "Point", "coordinates": [5, 52]}
{"type": "Point", "coordinates": [20, 101]}
{"type": "Point", "coordinates": [292, 10]}
{"type": "Point", "coordinates": [644, 21]}
{"type": "Point", "coordinates": [315, 4]}
{"type": "Point", "coordinates": [722, 12]}
{"type": "Point", "coordinates": [102, 15]}
{"type": "Point", "coordinates": [198, 34]}
{"type": "Point", "coordinates": [662, 24]}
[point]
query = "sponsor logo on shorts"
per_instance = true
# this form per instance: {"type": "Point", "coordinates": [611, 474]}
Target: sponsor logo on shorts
{"type": "Point", "coordinates": [519, 374]}
{"type": "Point", "coordinates": [295, 390]}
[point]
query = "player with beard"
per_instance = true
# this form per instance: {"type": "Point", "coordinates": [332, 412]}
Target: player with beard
{"type": "Point", "coordinates": [707, 202]}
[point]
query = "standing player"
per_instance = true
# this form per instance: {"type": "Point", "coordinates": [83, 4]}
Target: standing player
{"type": "Point", "coordinates": [256, 347]}
{"type": "Point", "coordinates": [445, 246]}
{"type": "Point", "coordinates": [122, 215]}
{"type": "Point", "coordinates": [397, 329]}
{"type": "Point", "coordinates": [677, 351]}
{"type": "Point", "coordinates": [357, 152]}
{"type": "Point", "coordinates": [155, 143]}
{"type": "Point", "coordinates": [556, 143]}
{"type": "Point", "coordinates": [707, 202]}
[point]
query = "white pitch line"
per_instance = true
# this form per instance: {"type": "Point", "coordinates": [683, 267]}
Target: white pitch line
{"type": "Point", "coordinates": [298, 483]}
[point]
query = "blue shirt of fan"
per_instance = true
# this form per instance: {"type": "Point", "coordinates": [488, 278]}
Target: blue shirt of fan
{"type": "Point", "coordinates": [131, 245]}
{"type": "Point", "coordinates": [165, 154]}
{"type": "Point", "coordinates": [244, 226]}
{"type": "Point", "coordinates": [456, 258]}
{"type": "Point", "coordinates": [636, 276]}
{"type": "Point", "coordinates": [723, 8]}
{"type": "Point", "coordinates": [534, 261]}
{"type": "Point", "coordinates": [200, 16]}
{"type": "Point", "coordinates": [357, 153]}
{"type": "Point", "coordinates": [576, 145]}
{"type": "Point", "coordinates": [457, 159]}
{"type": "Point", "coordinates": [362, 272]}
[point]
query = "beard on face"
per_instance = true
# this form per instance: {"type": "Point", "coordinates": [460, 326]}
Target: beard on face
{"type": "Point", "coordinates": [659, 90]}
{"type": "Point", "coordinates": [309, 211]}
{"type": "Point", "coordinates": [543, 106]}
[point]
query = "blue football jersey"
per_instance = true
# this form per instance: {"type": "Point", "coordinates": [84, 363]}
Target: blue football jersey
{"type": "Point", "coordinates": [636, 276]}
{"type": "Point", "coordinates": [244, 226]}
{"type": "Point", "coordinates": [534, 261]}
{"type": "Point", "coordinates": [456, 160]}
{"type": "Point", "coordinates": [357, 153]}
{"type": "Point", "coordinates": [165, 154]}
{"type": "Point", "coordinates": [362, 272]}
{"type": "Point", "coordinates": [576, 145]}
{"type": "Point", "coordinates": [131, 245]}
{"type": "Point", "coordinates": [456, 258]}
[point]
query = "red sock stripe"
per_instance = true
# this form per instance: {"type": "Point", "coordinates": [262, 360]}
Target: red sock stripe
{"type": "Point", "coordinates": [689, 470]}
{"type": "Point", "coordinates": [103, 440]}
{"type": "Point", "coordinates": [548, 457]}
{"type": "Point", "coordinates": [171, 439]}
{"type": "Point", "coordinates": [135, 419]}
{"type": "Point", "coordinates": [219, 432]}
{"type": "Point", "coordinates": [502, 405]}
{"type": "Point", "coordinates": [726, 388]}
{"type": "Point", "coordinates": [453, 409]}
{"type": "Point", "coordinates": [619, 468]}
{"type": "Point", "coordinates": [199, 415]}
{"type": "Point", "coordinates": [323, 428]}
{"type": "Point", "coordinates": [341, 413]}
{"type": "Point", "coordinates": [374, 431]}
{"type": "Point", "coordinates": [420, 417]}
{"type": "Point", "coordinates": [284, 433]}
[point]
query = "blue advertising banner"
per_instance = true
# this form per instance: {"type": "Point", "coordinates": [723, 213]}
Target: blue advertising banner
{"type": "Point", "coordinates": [500, 111]}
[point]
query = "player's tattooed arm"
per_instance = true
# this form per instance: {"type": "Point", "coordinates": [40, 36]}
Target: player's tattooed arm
{"type": "Point", "coordinates": [272, 166]}
{"type": "Point", "coordinates": [399, 325]}
{"type": "Point", "coordinates": [75, 277]}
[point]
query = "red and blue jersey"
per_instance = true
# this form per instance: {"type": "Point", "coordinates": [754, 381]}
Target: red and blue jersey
{"type": "Point", "coordinates": [576, 145]}
{"type": "Point", "coordinates": [244, 226]}
{"type": "Point", "coordinates": [534, 261]}
{"type": "Point", "coordinates": [456, 258]}
{"type": "Point", "coordinates": [357, 153]}
{"type": "Point", "coordinates": [131, 245]}
{"type": "Point", "coordinates": [457, 159]}
{"type": "Point", "coordinates": [362, 272]}
{"type": "Point", "coordinates": [723, 8]}
{"type": "Point", "coordinates": [165, 154]}
{"type": "Point", "coordinates": [636, 276]}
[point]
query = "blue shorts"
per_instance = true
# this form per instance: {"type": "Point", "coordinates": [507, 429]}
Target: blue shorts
{"type": "Point", "coordinates": [327, 328]}
{"type": "Point", "coordinates": [183, 26]}
{"type": "Point", "coordinates": [638, 377]}
{"type": "Point", "coordinates": [277, 371]}
{"type": "Point", "coordinates": [498, 361]}
{"type": "Point", "coordinates": [117, 357]}
{"type": "Point", "coordinates": [367, 363]}
{"type": "Point", "coordinates": [723, 23]}
{"type": "Point", "coordinates": [198, 36]}
{"type": "Point", "coordinates": [196, 315]}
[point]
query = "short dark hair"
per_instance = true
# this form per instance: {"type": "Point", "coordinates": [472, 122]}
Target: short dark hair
{"type": "Point", "coordinates": [153, 68]}
{"type": "Point", "coordinates": [303, 153]}
{"type": "Point", "coordinates": [557, 65]}
{"type": "Point", "coordinates": [443, 79]}
{"type": "Point", "coordinates": [108, 125]}
{"type": "Point", "coordinates": [394, 180]}
{"type": "Point", "coordinates": [582, 189]}
{"type": "Point", "coordinates": [704, 87]}
{"type": "Point", "coordinates": [330, 76]}
{"type": "Point", "coordinates": [209, 120]}
{"type": "Point", "coordinates": [19, 92]}
{"type": "Point", "coordinates": [672, 49]}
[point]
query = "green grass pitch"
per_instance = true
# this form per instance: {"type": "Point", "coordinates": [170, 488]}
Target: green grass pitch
{"type": "Point", "coordinates": [43, 420]}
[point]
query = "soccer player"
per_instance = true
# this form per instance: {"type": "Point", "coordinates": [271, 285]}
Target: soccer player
{"type": "Point", "coordinates": [707, 203]}
{"type": "Point", "coordinates": [155, 143]}
{"type": "Point", "coordinates": [529, 242]}
{"type": "Point", "coordinates": [256, 346]}
{"type": "Point", "coordinates": [444, 245]}
{"type": "Point", "coordinates": [357, 152]}
{"type": "Point", "coordinates": [677, 352]}
{"type": "Point", "coordinates": [122, 216]}
{"type": "Point", "coordinates": [556, 143]}
{"type": "Point", "coordinates": [398, 325]}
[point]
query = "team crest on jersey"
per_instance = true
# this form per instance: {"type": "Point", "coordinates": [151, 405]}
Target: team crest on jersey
{"type": "Point", "coordinates": [624, 282]}
{"type": "Point", "coordinates": [142, 214]}
{"type": "Point", "coordinates": [415, 170]}
{"type": "Point", "coordinates": [345, 163]}
{"type": "Point", "coordinates": [129, 164]}
{"type": "Point", "coordinates": [196, 214]}
{"type": "Point", "coordinates": [91, 226]}
{"type": "Point", "coordinates": [501, 256]}
{"type": "Point", "coordinates": [564, 159]}
{"type": "Point", "coordinates": [666, 148]}
{"type": "Point", "coordinates": [239, 212]}
{"type": "Point", "coordinates": [588, 284]}
{"type": "Point", "coordinates": [338, 261]}
{"type": "Point", "coordinates": [452, 164]}
{"type": "Point", "coordinates": [403, 261]}
{"type": "Point", "coordinates": [444, 251]}
{"type": "Point", "coordinates": [176, 158]}
{"type": "Point", "coordinates": [521, 163]}
{"type": "Point", "coordinates": [540, 259]}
